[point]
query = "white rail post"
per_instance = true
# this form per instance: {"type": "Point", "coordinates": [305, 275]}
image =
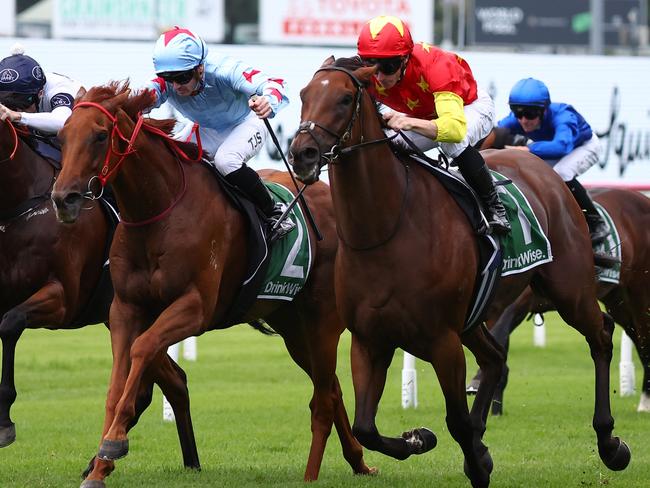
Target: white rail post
{"type": "Point", "coordinates": [539, 331]}
{"type": "Point", "coordinates": [409, 382]}
{"type": "Point", "coordinates": [168, 412]}
{"type": "Point", "coordinates": [189, 348]}
{"type": "Point", "coordinates": [626, 367]}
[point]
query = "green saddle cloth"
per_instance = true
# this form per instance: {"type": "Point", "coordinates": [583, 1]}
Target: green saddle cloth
{"type": "Point", "coordinates": [612, 246]}
{"type": "Point", "coordinates": [291, 257]}
{"type": "Point", "coordinates": [526, 246]}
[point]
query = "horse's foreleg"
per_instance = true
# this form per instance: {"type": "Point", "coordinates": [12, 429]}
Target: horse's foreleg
{"type": "Point", "coordinates": [173, 382]}
{"type": "Point", "coordinates": [369, 368]}
{"type": "Point", "coordinates": [448, 360]}
{"type": "Point", "coordinates": [45, 307]}
{"type": "Point", "coordinates": [181, 319]}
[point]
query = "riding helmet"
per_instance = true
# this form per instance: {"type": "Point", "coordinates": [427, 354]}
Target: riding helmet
{"type": "Point", "coordinates": [384, 37]}
{"type": "Point", "coordinates": [529, 91]}
{"type": "Point", "coordinates": [178, 50]}
{"type": "Point", "coordinates": [21, 74]}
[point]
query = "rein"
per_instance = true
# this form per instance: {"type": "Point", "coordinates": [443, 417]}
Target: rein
{"type": "Point", "coordinates": [106, 172]}
{"type": "Point", "coordinates": [15, 149]}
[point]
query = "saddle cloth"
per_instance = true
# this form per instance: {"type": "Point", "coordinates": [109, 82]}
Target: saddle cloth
{"type": "Point", "coordinates": [610, 246]}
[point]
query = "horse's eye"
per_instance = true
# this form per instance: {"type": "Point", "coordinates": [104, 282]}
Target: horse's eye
{"type": "Point", "coordinates": [346, 100]}
{"type": "Point", "coordinates": [101, 136]}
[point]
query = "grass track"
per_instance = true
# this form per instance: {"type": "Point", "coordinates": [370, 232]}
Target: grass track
{"type": "Point", "coordinates": [249, 404]}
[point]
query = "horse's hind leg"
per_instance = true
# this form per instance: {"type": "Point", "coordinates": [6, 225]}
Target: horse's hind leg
{"type": "Point", "coordinates": [312, 344]}
{"type": "Point", "coordinates": [369, 367]}
{"type": "Point", "coordinates": [7, 388]}
{"type": "Point", "coordinates": [578, 307]}
{"type": "Point", "coordinates": [448, 360]}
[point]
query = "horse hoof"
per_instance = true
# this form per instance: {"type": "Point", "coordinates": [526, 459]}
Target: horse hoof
{"type": "Point", "coordinates": [472, 388]}
{"type": "Point", "coordinates": [486, 463]}
{"type": "Point", "coordinates": [497, 408]}
{"type": "Point", "coordinates": [92, 484]}
{"type": "Point", "coordinates": [420, 440]}
{"type": "Point", "coordinates": [618, 458]}
{"type": "Point", "coordinates": [111, 450]}
{"type": "Point", "coordinates": [7, 435]}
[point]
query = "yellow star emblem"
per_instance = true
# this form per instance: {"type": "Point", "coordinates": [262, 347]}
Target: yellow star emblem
{"type": "Point", "coordinates": [378, 23]}
{"type": "Point", "coordinates": [426, 46]}
{"type": "Point", "coordinates": [381, 91]}
{"type": "Point", "coordinates": [412, 103]}
{"type": "Point", "coordinates": [424, 86]}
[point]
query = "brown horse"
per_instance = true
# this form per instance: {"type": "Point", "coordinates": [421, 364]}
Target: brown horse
{"type": "Point", "coordinates": [174, 279]}
{"type": "Point", "coordinates": [407, 262]}
{"type": "Point", "coordinates": [627, 302]}
{"type": "Point", "coordinates": [45, 285]}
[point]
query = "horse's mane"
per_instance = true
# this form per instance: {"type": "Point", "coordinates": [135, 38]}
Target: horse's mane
{"type": "Point", "coordinates": [134, 105]}
{"type": "Point", "coordinates": [353, 63]}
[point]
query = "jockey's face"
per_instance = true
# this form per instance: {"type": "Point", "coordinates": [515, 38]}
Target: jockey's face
{"type": "Point", "coordinates": [529, 125]}
{"type": "Point", "coordinates": [189, 87]}
{"type": "Point", "coordinates": [389, 70]}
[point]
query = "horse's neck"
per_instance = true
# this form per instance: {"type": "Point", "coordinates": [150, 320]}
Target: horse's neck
{"type": "Point", "coordinates": [148, 181]}
{"type": "Point", "coordinates": [24, 176]}
{"type": "Point", "coordinates": [368, 188]}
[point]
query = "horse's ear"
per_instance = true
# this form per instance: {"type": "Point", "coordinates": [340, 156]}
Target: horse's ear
{"type": "Point", "coordinates": [329, 61]}
{"type": "Point", "coordinates": [113, 104]}
{"type": "Point", "coordinates": [364, 75]}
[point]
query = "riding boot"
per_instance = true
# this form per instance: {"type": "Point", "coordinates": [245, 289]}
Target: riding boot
{"type": "Point", "coordinates": [248, 181]}
{"type": "Point", "coordinates": [474, 170]}
{"type": "Point", "coordinates": [598, 228]}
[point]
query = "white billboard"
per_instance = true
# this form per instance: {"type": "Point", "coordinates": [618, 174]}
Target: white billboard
{"type": "Point", "coordinates": [337, 22]}
{"type": "Point", "coordinates": [136, 19]}
{"type": "Point", "coordinates": [8, 18]}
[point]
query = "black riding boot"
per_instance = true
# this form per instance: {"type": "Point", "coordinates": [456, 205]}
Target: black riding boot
{"type": "Point", "coordinates": [248, 181]}
{"type": "Point", "coordinates": [598, 228]}
{"type": "Point", "coordinates": [474, 170]}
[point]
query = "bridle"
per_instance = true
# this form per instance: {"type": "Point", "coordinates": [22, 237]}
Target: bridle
{"type": "Point", "coordinates": [106, 171]}
{"type": "Point", "coordinates": [337, 149]}
{"type": "Point", "coordinates": [307, 127]}
{"type": "Point", "coordinates": [15, 138]}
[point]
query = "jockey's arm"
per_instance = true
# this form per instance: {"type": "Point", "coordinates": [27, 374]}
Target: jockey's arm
{"type": "Point", "coordinates": [47, 122]}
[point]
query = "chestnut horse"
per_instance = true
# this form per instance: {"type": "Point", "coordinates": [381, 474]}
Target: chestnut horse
{"type": "Point", "coordinates": [43, 284]}
{"type": "Point", "coordinates": [173, 278]}
{"type": "Point", "coordinates": [627, 302]}
{"type": "Point", "coordinates": [407, 262]}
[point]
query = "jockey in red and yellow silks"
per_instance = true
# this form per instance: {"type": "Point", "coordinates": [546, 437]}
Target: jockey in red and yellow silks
{"type": "Point", "coordinates": [435, 100]}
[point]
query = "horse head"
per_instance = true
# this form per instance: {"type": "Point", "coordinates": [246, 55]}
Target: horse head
{"type": "Point", "coordinates": [97, 138]}
{"type": "Point", "coordinates": [332, 103]}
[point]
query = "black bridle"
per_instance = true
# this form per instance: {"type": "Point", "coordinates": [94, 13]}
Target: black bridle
{"type": "Point", "coordinates": [337, 149]}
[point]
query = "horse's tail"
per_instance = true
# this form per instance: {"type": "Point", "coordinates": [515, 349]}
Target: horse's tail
{"type": "Point", "coordinates": [263, 327]}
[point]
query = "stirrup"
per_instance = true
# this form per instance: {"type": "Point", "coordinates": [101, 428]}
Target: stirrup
{"type": "Point", "coordinates": [279, 230]}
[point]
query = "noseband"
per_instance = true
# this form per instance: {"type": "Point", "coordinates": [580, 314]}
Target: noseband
{"type": "Point", "coordinates": [308, 126]}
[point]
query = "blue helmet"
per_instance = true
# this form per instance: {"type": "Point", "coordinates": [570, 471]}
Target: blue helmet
{"type": "Point", "coordinates": [21, 74]}
{"type": "Point", "coordinates": [529, 91]}
{"type": "Point", "coordinates": [178, 50]}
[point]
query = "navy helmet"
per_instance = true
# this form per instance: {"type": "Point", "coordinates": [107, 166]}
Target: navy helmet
{"type": "Point", "coordinates": [529, 92]}
{"type": "Point", "coordinates": [21, 74]}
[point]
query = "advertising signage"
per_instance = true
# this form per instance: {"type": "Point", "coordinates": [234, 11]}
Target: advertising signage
{"type": "Point", "coordinates": [556, 22]}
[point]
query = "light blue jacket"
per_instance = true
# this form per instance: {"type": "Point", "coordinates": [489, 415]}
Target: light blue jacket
{"type": "Point", "coordinates": [222, 102]}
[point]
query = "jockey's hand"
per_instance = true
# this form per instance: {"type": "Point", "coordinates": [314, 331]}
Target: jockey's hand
{"type": "Point", "coordinates": [6, 113]}
{"type": "Point", "coordinates": [399, 122]}
{"type": "Point", "coordinates": [261, 106]}
{"type": "Point", "coordinates": [518, 148]}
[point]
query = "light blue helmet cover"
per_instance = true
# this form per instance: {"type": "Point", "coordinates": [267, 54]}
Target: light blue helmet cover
{"type": "Point", "coordinates": [529, 91]}
{"type": "Point", "coordinates": [178, 50]}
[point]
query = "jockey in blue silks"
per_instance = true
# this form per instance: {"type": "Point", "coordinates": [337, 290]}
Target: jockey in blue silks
{"type": "Point", "coordinates": [561, 137]}
{"type": "Point", "coordinates": [228, 99]}
{"type": "Point", "coordinates": [30, 97]}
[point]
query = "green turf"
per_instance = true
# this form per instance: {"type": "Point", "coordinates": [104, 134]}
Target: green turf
{"type": "Point", "coordinates": [249, 404]}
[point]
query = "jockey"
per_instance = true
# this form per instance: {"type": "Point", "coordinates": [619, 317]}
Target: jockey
{"type": "Point", "coordinates": [561, 137]}
{"type": "Point", "coordinates": [228, 99]}
{"type": "Point", "coordinates": [436, 100]}
{"type": "Point", "coordinates": [31, 98]}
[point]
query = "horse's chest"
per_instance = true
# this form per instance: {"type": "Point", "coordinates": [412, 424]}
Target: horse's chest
{"type": "Point", "coordinates": [153, 282]}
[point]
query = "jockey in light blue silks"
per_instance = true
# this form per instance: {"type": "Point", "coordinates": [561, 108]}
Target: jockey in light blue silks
{"type": "Point", "coordinates": [228, 99]}
{"type": "Point", "coordinates": [561, 137]}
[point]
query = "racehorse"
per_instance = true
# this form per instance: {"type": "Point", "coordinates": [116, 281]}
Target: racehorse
{"type": "Point", "coordinates": [406, 266]}
{"type": "Point", "coordinates": [627, 302]}
{"type": "Point", "coordinates": [173, 278]}
{"type": "Point", "coordinates": [43, 284]}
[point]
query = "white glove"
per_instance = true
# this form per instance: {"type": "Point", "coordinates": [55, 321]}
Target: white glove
{"type": "Point", "coordinates": [6, 113]}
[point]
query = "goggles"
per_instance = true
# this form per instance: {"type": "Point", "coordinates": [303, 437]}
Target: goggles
{"type": "Point", "coordinates": [387, 66]}
{"type": "Point", "coordinates": [526, 112]}
{"type": "Point", "coordinates": [180, 77]}
{"type": "Point", "coordinates": [18, 101]}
